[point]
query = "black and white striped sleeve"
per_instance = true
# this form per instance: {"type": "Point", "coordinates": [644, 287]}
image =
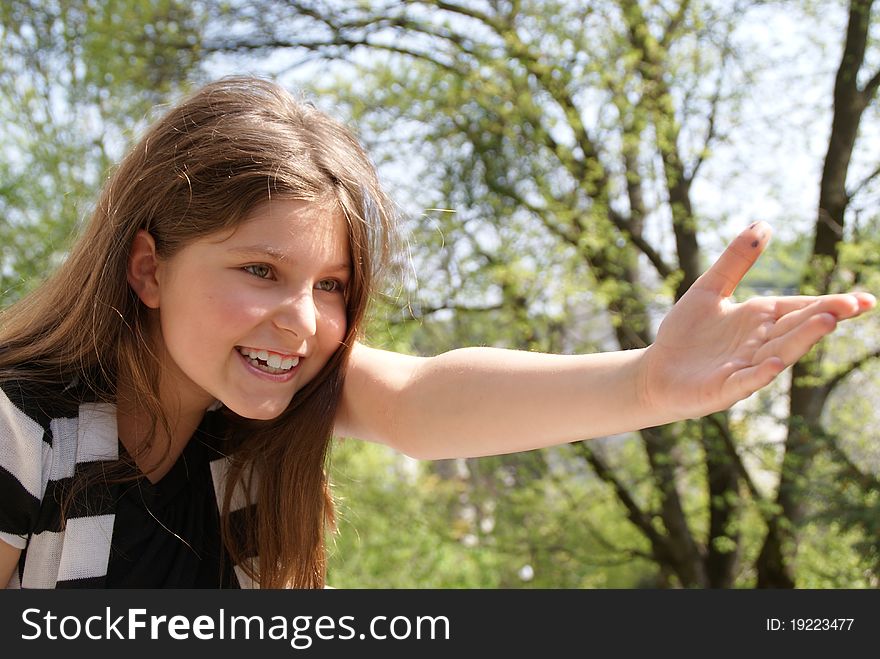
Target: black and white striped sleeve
{"type": "Point", "coordinates": [25, 451]}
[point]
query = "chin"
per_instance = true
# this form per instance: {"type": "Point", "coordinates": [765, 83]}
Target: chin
{"type": "Point", "coordinates": [260, 413]}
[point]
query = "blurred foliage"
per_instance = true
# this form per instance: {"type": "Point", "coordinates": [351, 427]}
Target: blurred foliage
{"type": "Point", "coordinates": [77, 79]}
{"type": "Point", "coordinates": [475, 524]}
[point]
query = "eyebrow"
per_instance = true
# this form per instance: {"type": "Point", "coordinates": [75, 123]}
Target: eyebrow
{"type": "Point", "coordinates": [278, 255]}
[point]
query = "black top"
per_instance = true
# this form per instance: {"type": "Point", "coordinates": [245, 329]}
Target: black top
{"type": "Point", "coordinates": [167, 534]}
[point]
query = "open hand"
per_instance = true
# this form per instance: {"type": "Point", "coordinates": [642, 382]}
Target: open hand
{"type": "Point", "coordinates": [711, 352]}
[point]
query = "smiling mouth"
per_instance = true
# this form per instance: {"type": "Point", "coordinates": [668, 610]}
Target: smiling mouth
{"type": "Point", "coordinates": [268, 362]}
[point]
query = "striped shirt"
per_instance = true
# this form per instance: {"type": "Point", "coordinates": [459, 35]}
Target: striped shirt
{"type": "Point", "coordinates": [48, 437]}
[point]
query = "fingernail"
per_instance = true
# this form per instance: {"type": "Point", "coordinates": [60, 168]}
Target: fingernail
{"type": "Point", "coordinates": [866, 300]}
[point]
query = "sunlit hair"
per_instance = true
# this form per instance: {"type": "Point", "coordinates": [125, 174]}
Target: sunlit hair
{"type": "Point", "coordinates": [200, 169]}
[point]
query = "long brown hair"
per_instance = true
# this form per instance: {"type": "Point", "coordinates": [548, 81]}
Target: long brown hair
{"type": "Point", "coordinates": [200, 169]}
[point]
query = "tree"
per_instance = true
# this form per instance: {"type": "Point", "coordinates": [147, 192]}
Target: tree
{"type": "Point", "coordinates": [76, 79]}
{"type": "Point", "coordinates": [811, 387]}
{"type": "Point", "coordinates": [568, 139]}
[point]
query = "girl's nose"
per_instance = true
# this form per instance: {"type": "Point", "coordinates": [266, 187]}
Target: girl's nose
{"type": "Point", "coordinates": [297, 314]}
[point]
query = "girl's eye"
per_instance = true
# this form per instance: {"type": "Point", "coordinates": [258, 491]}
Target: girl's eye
{"type": "Point", "coordinates": [260, 270]}
{"type": "Point", "coordinates": [329, 285]}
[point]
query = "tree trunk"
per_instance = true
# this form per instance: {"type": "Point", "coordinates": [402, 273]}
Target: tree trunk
{"type": "Point", "coordinates": [808, 393]}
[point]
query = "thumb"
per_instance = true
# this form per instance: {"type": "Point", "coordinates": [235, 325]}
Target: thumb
{"type": "Point", "coordinates": [727, 272]}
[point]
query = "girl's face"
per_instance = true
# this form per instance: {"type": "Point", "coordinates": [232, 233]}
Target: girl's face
{"type": "Point", "coordinates": [250, 316]}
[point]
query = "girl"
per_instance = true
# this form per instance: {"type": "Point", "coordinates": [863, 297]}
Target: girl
{"type": "Point", "coordinates": [168, 395]}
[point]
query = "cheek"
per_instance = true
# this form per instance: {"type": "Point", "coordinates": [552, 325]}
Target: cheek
{"type": "Point", "coordinates": [208, 319]}
{"type": "Point", "coordinates": [333, 326]}
{"type": "Point", "coordinates": [237, 309]}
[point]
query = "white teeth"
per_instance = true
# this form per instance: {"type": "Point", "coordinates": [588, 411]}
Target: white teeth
{"type": "Point", "coordinates": [271, 363]}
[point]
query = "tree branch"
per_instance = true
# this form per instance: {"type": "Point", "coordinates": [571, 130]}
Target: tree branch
{"type": "Point", "coordinates": [469, 12]}
{"type": "Point", "coordinates": [730, 446]}
{"type": "Point", "coordinates": [323, 47]}
{"type": "Point", "coordinates": [674, 23]}
{"type": "Point", "coordinates": [663, 269]}
{"type": "Point", "coordinates": [636, 515]}
{"type": "Point", "coordinates": [846, 370]}
{"type": "Point", "coordinates": [659, 103]}
{"type": "Point", "coordinates": [858, 188]}
{"type": "Point", "coordinates": [458, 308]}
{"type": "Point", "coordinates": [714, 103]}
{"type": "Point", "coordinates": [870, 89]}
{"type": "Point", "coordinates": [865, 480]}
{"type": "Point", "coordinates": [595, 532]}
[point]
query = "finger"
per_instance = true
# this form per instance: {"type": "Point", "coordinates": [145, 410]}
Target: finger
{"type": "Point", "coordinates": [744, 382]}
{"type": "Point", "coordinates": [782, 306]}
{"type": "Point", "coordinates": [726, 273]}
{"type": "Point", "coordinates": [797, 342]}
{"type": "Point", "coordinates": [785, 305]}
{"type": "Point", "coordinates": [840, 306]}
{"type": "Point", "coordinates": [866, 301]}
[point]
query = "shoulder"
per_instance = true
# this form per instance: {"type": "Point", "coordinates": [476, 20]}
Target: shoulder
{"type": "Point", "coordinates": [39, 400]}
{"type": "Point", "coordinates": [41, 447]}
{"type": "Point", "coordinates": [29, 409]}
{"type": "Point", "coordinates": [374, 381]}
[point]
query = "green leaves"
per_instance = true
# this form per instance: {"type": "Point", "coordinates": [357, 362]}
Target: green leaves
{"type": "Point", "coordinates": [77, 80]}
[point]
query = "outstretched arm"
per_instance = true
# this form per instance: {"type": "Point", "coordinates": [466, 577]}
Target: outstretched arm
{"type": "Point", "coordinates": [710, 352]}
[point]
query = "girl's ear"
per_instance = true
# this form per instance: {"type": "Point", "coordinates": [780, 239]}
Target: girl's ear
{"type": "Point", "coordinates": [142, 266]}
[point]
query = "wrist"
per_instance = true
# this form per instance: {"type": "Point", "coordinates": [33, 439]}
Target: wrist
{"type": "Point", "coordinates": [652, 395]}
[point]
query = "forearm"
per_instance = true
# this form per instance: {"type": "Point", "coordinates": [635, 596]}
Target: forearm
{"type": "Point", "coordinates": [484, 401]}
